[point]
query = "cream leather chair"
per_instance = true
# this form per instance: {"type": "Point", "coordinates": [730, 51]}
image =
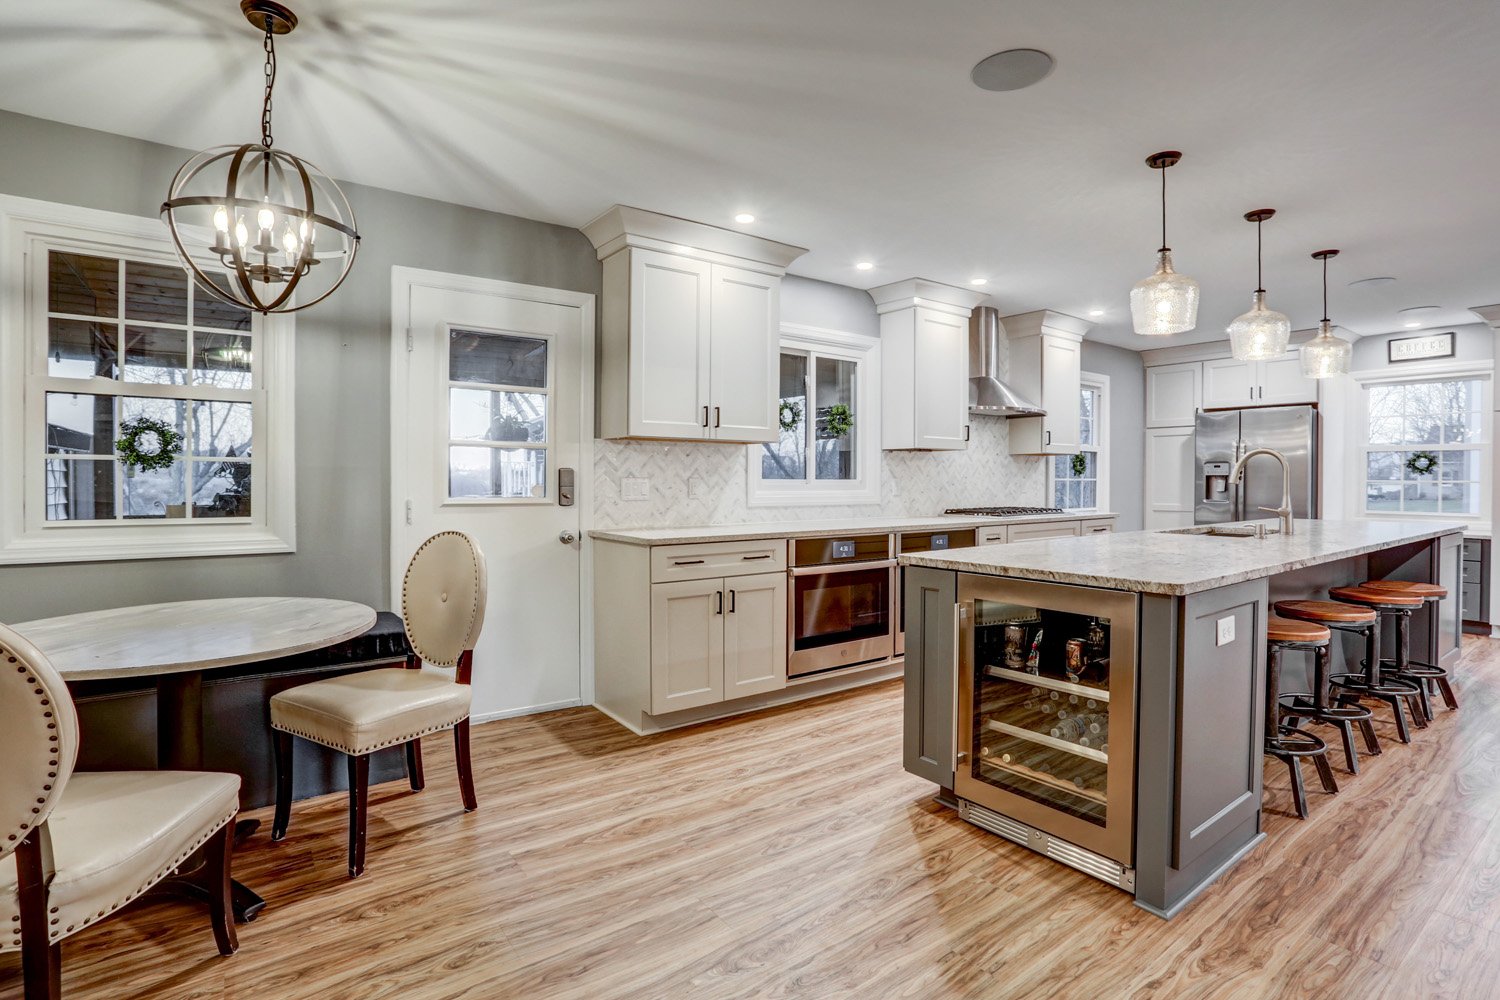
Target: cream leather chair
{"type": "Point", "coordinates": [87, 844]}
{"type": "Point", "coordinates": [442, 606]}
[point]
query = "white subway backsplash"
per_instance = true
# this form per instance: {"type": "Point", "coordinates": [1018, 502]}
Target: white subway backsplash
{"type": "Point", "coordinates": [695, 483]}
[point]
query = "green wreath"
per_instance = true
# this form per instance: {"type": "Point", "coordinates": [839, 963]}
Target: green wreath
{"type": "Point", "coordinates": [148, 444]}
{"type": "Point", "coordinates": [1422, 463]}
{"type": "Point", "coordinates": [1080, 464]}
{"type": "Point", "coordinates": [838, 419]}
{"type": "Point", "coordinates": [789, 415]}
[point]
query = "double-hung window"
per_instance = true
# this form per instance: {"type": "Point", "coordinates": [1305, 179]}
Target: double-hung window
{"type": "Point", "coordinates": [1081, 481]}
{"type": "Point", "coordinates": [1425, 447]}
{"type": "Point", "coordinates": [828, 448]}
{"type": "Point", "coordinates": [142, 417]}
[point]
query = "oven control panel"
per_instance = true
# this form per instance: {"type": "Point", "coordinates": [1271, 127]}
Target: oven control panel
{"type": "Point", "coordinates": [844, 549]}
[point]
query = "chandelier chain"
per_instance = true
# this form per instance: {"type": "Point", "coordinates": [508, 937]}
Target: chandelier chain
{"type": "Point", "coordinates": [265, 110]}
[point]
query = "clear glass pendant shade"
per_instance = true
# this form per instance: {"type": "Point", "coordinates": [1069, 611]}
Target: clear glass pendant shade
{"type": "Point", "coordinates": [1260, 334]}
{"type": "Point", "coordinates": [1326, 355]}
{"type": "Point", "coordinates": [1165, 303]}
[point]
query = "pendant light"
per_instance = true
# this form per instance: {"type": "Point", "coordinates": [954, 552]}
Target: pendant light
{"type": "Point", "coordinates": [1326, 355]}
{"type": "Point", "coordinates": [1260, 334]}
{"type": "Point", "coordinates": [274, 222]}
{"type": "Point", "coordinates": [1167, 302]}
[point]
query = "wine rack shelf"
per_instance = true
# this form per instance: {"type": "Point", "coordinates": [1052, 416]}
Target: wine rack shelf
{"type": "Point", "coordinates": [1052, 684]}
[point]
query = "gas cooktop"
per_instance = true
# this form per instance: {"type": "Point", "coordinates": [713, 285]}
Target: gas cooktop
{"type": "Point", "coordinates": [1003, 511]}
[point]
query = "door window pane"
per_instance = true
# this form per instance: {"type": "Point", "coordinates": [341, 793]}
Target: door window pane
{"type": "Point", "coordinates": [155, 355]}
{"type": "Point", "coordinates": [80, 424]}
{"type": "Point", "coordinates": [76, 349]}
{"type": "Point", "coordinates": [483, 415]}
{"type": "Point", "coordinates": [497, 359]}
{"type": "Point", "coordinates": [505, 473]}
{"type": "Point", "coordinates": [155, 293]}
{"type": "Point", "coordinates": [838, 425]}
{"type": "Point", "coordinates": [83, 285]}
{"type": "Point", "coordinates": [221, 489]}
{"type": "Point", "coordinates": [787, 457]}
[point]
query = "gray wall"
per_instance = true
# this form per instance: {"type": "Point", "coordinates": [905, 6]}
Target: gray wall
{"type": "Point", "coordinates": [343, 375]}
{"type": "Point", "coordinates": [832, 307]}
{"type": "Point", "coordinates": [1473, 342]}
{"type": "Point", "coordinates": [1127, 421]}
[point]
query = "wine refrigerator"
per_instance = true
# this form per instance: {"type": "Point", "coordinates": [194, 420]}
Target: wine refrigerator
{"type": "Point", "coordinates": [1046, 719]}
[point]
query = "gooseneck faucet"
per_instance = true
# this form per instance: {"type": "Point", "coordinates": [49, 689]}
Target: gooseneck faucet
{"type": "Point", "coordinates": [1237, 475]}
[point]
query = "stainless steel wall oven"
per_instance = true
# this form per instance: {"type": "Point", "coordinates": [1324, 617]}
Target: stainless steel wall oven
{"type": "Point", "coordinates": [843, 602]}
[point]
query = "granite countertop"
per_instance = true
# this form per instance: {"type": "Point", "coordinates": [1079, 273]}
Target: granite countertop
{"type": "Point", "coordinates": [821, 528]}
{"type": "Point", "coordinates": [1168, 562]}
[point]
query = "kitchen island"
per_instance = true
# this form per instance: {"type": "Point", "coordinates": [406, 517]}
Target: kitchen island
{"type": "Point", "coordinates": [1101, 699]}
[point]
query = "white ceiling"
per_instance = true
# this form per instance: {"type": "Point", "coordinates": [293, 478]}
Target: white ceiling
{"type": "Point", "coordinates": [850, 127]}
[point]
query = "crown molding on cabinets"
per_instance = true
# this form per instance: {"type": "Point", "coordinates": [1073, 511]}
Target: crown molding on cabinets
{"type": "Point", "coordinates": [1034, 324]}
{"type": "Point", "coordinates": [623, 226]}
{"type": "Point", "coordinates": [922, 292]}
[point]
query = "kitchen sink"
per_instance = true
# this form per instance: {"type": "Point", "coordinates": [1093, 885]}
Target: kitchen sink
{"type": "Point", "coordinates": [1226, 530]}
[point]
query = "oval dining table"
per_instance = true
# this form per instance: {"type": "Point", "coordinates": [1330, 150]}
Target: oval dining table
{"type": "Point", "coordinates": [176, 644]}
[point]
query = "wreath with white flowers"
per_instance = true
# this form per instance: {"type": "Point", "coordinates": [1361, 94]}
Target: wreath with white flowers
{"type": "Point", "coordinates": [148, 444]}
{"type": "Point", "coordinates": [789, 415]}
{"type": "Point", "coordinates": [1422, 463]}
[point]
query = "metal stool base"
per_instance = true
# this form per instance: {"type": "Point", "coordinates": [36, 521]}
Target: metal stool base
{"type": "Point", "coordinates": [1290, 745]}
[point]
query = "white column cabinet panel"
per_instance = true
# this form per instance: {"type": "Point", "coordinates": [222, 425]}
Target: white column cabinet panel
{"type": "Point", "coordinates": [1227, 382]}
{"type": "Point", "coordinates": [744, 324]}
{"type": "Point", "coordinates": [755, 635]}
{"type": "Point", "coordinates": [1173, 394]}
{"type": "Point", "coordinates": [687, 644]}
{"type": "Point", "coordinates": [669, 345]}
{"type": "Point", "coordinates": [1169, 476]}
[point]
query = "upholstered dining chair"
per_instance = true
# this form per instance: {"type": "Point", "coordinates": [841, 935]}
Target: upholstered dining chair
{"type": "Point", "coordinates": [442, 606]}
{"type": "Point", "coordinates": [85, 844]}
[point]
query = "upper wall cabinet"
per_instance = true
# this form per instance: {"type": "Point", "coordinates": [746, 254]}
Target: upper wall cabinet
{"type": "Point", "coordinates": [924, 364]}
{"type": "Point", "coordinates": [690, 331]}
{"type": "Point", "coordinates": [1174, 394]}
{"type": "Point", "coordinates": [1227, 382]}
{"type": "Point", "coordinates": [1045, 363]}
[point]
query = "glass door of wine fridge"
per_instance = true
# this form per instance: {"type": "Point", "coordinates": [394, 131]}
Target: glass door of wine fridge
{"type": "Point", "coordinates": [1046, 702]}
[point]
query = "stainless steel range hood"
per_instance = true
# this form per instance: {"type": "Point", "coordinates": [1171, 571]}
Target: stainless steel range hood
{"type": "Point", "coordinates": [987, 393]}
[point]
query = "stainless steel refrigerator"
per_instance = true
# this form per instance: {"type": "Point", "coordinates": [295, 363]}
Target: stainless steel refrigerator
{"type": "Point", "coordinates": [1222, 437]}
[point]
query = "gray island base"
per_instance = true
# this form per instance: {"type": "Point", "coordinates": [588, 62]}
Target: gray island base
{"type": "Point", "coordinates": [1101, 699]}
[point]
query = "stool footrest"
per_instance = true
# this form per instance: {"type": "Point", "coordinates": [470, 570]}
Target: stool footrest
{"type": "Point", "coordinates": [1303, 705]}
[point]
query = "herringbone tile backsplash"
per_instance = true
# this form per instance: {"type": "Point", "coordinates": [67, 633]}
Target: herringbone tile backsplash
{"type": "Point", "coordinates": [911, 483]}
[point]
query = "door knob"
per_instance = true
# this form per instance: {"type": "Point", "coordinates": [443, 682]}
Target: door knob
{"type": "Point", "coordinates": [567, 537]}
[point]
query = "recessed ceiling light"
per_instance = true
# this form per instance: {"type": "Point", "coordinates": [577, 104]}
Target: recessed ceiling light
{"type": "Point", "coordinates": [1413, 324]}
{"type": "Point", "coordinates": [1371, 282]}
{"type": "Point", "coordinates": [979, 281]}
{"type": "Point", "coordinates": [1096, 312]}
{"type": "Point", "coordinates": [744, 218]}
{"type": "Point", "coordinates": [1013, 69]}
{"type": "Point", "coordinates": [864, 265]}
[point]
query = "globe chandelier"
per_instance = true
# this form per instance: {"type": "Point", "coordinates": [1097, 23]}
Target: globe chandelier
{"type": "Point", "coordinates": [276, 223]}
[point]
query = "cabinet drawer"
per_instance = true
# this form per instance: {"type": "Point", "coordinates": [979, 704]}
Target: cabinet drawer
{"type": "Point", "coordinates": [716, 559]}
{"type": "Point", "coordinates": [1474, 603]}
{"type": "Point", "coordinates": [1098, 527]}
{"type": "Point", "coordinates": [994, 535]}
{"type": "Point", "coordinates": [1051, 529]}
{"type": "Point", "coordinates": [1473, 571]}
{"type": "Point", "coordinates": [1474, 548]}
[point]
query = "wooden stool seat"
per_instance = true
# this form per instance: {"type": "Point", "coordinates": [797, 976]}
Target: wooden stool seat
{"type": "Point", "coordinates": [1292, 630]}
{"type": "Point", "coordinates": [1326, 611]}
{"type": "Point", "coordinates": [1411, 588]}
{"type": "Point", "coordinates": [1384, 599]}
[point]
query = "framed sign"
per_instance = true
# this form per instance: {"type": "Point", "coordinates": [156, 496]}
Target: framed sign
{"type": "Point", "coordinates": [1423, 348]}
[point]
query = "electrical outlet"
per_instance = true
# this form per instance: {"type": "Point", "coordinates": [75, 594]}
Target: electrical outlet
{"type": "Point", "coordinates": [635, 488]}
{"type": "Point", "coordinates": [697, 488]}
{"type": "Point", "coordinates": [1226, 630]}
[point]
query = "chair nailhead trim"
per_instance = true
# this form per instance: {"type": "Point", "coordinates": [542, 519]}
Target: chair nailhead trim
{"type": "Point", "coordinates": [371, 749]}
{"type": "Point", "coordinates": [469, 627]}
{"type": "Point", "coordinates": [35, 683]}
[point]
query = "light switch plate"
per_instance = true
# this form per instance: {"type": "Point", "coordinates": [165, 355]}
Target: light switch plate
{"type": "Point", "coordinates": [1226, 630]}
{"type": "Point", "coordinates": [697, 488]}
{"type": "Point", "coordinates": [635, 488]}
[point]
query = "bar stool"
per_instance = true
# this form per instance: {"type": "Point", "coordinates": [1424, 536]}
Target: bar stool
{"type": "Point", "coordinates": [1424, 675]}
{"type": "Point", "coordinates": [1314, 705]}
{"type": "Point", "coordinates": [1372, 682]}
{"type": "Point", "coordinates": [1283, 741]}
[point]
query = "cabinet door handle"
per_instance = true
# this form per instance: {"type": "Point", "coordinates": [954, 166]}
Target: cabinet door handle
{"type": "Point", "coordinates": [716, 416]}
{"type": "Point", "coordinates": [731, 602]}
{"type": "Point", "coordinates": [1049, 437]}
{"type": "Point", "coordinates": [687, 562]}
{"type": "Point", "coordinates": [720, 610]}
{"type": "Point", "coordinates": [1261, 392]}
{"type": "Point", "coordinates": [763, 555]}
{"type": "Point", "coordinates": [966, 432]}
{"type": "Point", "coordinates": [705, 416]}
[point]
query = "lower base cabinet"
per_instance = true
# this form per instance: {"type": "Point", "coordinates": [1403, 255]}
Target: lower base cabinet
{"type": "Point", "coordinates": [715, 640]}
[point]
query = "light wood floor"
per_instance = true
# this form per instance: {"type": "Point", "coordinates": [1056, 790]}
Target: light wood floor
{"type": "Point", "coordinates": [787, 855]}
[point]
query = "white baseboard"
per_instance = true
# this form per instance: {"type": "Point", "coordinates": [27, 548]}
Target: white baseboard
{"type": "Point", "coordinates": [480, 718]}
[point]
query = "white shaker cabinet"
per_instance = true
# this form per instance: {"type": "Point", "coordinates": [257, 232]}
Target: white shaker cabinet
{"type": "Point", "coordinates": [1045, 364]}
{"type": "Point", "coordinates": [687, 645]}
{"type": "Point", "coordinates": [1227, 382]}
{"type": "Point", "coordinates": [755, 634]}
{"type": "Point", "coordinates": [924, 364]}
{"type": "Point", "coordinates": [1170, 460]}
{"type": "Point", "coordinates": [1278, 382]}
{"type": "Point", "coordinates": [1282, 382]}
{"type": "Point", "coordinates": [690, 329]}
{"type": "Point", "coordinates": [1174, 394]}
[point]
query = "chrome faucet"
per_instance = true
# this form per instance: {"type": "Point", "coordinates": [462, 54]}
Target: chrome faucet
{"type": "Point", "coordinates": [1237, 475]}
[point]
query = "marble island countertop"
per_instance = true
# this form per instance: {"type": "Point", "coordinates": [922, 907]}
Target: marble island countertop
{"type": "Point", "coordinates": [695, 534]}
{"type": "Point", "coordinates": [1177, 563]}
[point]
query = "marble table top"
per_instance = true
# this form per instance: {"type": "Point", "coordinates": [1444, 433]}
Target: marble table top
{"type": "Point", "coordinates": [184, 636]}
{"type": "Point", "coordinates": [1175, 563]}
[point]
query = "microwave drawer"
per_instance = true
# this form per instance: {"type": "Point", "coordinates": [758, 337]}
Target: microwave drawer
{"type": "Point", "coordinates": [715, 559]}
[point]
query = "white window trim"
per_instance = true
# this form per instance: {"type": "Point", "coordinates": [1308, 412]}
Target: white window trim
{"type": "Point", "coordinates": [1359, 443]}
{"type": "Point", "coordinates": [865, 351]}
{"type": "Point", "coordinates": [30, 539]}
{"type": "Point", "coordinates": [1092, 380]}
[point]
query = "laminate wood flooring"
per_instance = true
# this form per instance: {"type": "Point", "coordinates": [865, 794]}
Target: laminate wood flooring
{"type": "Point", "coordinates": [788, 855]}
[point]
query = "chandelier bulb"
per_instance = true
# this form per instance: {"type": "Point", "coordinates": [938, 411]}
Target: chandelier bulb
{"type": "Point", "coordinates": [241, 234]}
{"type": "Point", "coordinates": [289, 242]}
{"type": "Point", "coordinates": [221, 220]}
{"type": "Point", "coordinates": [266, 218]}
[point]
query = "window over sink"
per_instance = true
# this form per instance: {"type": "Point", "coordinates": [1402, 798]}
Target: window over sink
{"type": "Point", "coordinates": [828, 451]}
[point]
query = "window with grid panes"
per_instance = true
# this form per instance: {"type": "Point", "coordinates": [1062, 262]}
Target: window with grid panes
{"type": "Point", "coordinates": [1074, 489]}
{"type": "Point", "coordinates": [1414, 424]}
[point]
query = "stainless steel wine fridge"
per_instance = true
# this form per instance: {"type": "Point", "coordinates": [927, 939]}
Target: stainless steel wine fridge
{"type": "Point", "coordinates": [1046, 719]}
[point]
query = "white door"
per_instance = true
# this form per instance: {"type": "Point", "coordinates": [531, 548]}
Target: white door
{"type": "Point", "coordinates": [492, 397]}
{"type": "Point", "coordinates": [669, 345]}
{"type": "Point", "coordinates": [1229, 383]}
{"type": "Point", "coordinates": [1282, 382]}
{"type": "Point", "coordinates": [744, 320]}
{"type": "Point", "coordinates": [1061, 374]}
{"type": "Point", "coordinates": [942, 380]}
